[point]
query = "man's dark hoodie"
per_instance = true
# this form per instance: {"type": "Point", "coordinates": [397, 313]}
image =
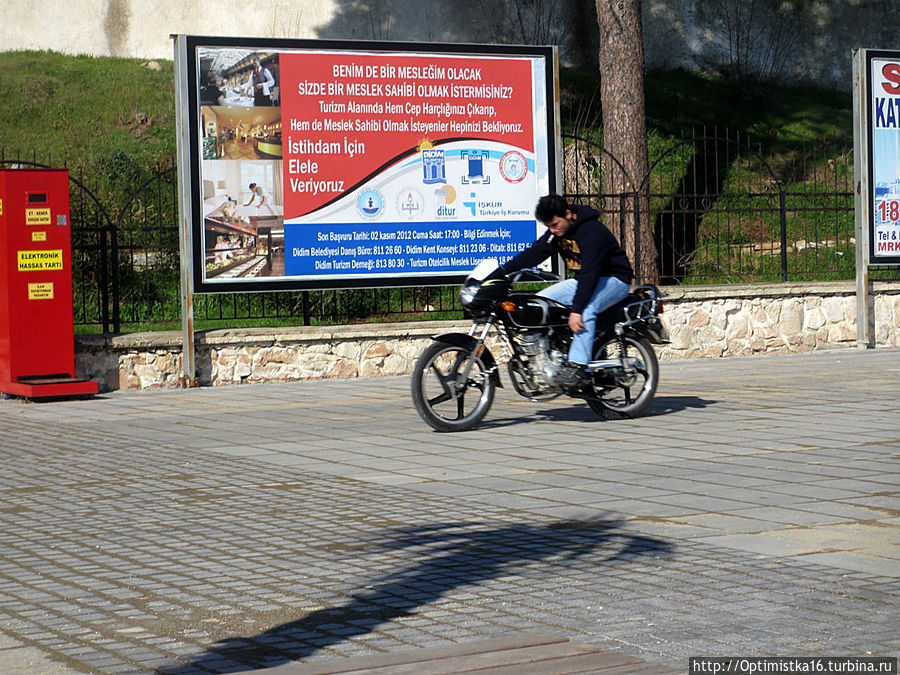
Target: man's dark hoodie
{"type": "Point", "coordinates": [587, 247]}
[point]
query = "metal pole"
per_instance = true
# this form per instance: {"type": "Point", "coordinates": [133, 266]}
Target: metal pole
{"type": "Point", "coordinates": [865, 303]}
{"type": "Point", "coordinates": [185, 213]}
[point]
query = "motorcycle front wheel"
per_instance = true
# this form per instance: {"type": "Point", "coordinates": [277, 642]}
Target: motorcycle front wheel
{"type": "Point", "coordinates": [444, 402]}
{"type": "Point", "coordinates": [620, 393]}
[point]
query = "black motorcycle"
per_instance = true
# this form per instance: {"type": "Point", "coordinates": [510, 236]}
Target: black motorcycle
{"type": "Point", "coordinates": [455, 378]}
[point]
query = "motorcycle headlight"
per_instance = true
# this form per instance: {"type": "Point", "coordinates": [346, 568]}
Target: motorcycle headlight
{"type": "Point", "coordinates": [467, 295]}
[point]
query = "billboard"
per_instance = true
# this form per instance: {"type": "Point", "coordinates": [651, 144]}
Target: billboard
{"type": "Point", "coordinates": [317, 164]}
{"type": "Point", "coordinates": [883, 138]}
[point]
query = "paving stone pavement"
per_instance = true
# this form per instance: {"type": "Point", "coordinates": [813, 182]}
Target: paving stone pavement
{"type": "Point", "coordinates": [754, 511]}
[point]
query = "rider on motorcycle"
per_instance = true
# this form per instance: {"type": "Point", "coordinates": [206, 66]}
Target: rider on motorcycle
{"type": "Point", "coordinates": [603, 273]}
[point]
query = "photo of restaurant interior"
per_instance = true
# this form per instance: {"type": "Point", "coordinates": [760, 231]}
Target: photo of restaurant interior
{"type": "Point", "coordinates": [243, 219]}
{"type": "Point", "coordinates": [241, 133]}
{"type": "Point", "coordinates": [229, 77]}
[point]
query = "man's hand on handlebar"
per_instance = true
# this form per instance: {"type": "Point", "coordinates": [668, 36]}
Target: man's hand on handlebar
{"type": "Point", "coordinates": [534, 274]}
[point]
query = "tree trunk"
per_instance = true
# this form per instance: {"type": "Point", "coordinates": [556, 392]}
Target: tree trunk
{"type": "Point", "coordinates": [621, 58]}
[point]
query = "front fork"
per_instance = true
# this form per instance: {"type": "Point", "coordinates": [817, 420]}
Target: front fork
{"type": "Point", "coordinates": [478, 349]}
{"type": "Point", "coordinates": [473, 343]}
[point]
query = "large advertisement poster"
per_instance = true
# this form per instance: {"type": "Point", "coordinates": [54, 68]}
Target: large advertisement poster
{"type": "Point", "coordinates": [326, 165]}
{"type": "Point", "coordinates": [884, 156]}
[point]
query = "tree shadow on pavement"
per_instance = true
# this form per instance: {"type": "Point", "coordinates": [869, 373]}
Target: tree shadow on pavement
{"type": "Point", "coordinates": [445, 557]}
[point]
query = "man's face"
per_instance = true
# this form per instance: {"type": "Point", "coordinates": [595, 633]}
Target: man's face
{"type": "Point", "coordinates": [559, 225]}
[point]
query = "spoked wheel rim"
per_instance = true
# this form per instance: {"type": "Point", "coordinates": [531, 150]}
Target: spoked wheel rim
{"type": "Point", "coordinates": [625, 393]}
{"type": "Point", "coordinates": [444, 397]}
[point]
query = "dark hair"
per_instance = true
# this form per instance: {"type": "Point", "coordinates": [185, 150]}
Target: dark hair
{"type": "Point", "coordinates": [550, 207]}
{"type": "Point", "coordinates": [252, 185]}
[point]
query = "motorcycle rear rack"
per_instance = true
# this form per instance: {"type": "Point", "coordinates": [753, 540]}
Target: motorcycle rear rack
{"type": "Point", "coordinates": [644, 311]}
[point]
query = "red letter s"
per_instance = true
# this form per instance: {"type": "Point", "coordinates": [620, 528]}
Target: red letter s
{"type": "Point", "coordinates": [891, 71]}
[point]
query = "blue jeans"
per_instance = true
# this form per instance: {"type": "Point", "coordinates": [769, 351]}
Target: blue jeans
{"type": "Point", "coordinates": [609, 291]}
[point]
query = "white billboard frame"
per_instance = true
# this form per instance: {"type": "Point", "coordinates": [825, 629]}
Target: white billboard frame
{"type": "Point", "coordinates": [876, 172]}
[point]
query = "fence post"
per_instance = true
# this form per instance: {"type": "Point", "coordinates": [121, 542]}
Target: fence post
{"type": "Point", "coordinates": [114, 274]}
{"type": "Point", "coordinates": [637, 235]}
{"type": "Point", "coordinates": [782, 206]}
{"type": "Point", "coordinates": [306, 311]}
{"type": "Point", "coordinates": [103, 255]}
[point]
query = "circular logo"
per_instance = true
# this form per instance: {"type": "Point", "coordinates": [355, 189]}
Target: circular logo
{"type": "Point", "coordinates": [370, 203]}
{"type": "Point", "coordinates": [513, 167]}
{"type": "Point", "coordinates": [447, 193]}
{"type": "Point", "coordinates": [410, 203]}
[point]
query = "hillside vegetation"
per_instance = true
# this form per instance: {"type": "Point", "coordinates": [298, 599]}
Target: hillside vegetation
{"type": "Point", "coordinates": [91, 110]}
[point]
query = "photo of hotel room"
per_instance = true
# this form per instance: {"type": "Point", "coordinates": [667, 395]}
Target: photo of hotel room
{"type": "Point", "coordinates": [231, 132]}
{"type": "Point", "coordinates": [243, 219]}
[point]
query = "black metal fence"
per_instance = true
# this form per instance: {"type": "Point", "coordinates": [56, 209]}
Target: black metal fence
{"type": "Point", "coordinates": [721, 212]}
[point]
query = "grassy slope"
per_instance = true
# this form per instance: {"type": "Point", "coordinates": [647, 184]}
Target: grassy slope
{"type": "Point", "coordinates": [85, 109]}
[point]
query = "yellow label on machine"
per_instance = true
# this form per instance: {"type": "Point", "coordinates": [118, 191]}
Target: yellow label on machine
{"type": "Point", "coordinates": [42, 291]}
{"type": "Point", "coordinates": [39, 235]}
{"type": "Point", "coordinates": [37, 216]}
{"type": "Point", "coordinates": [1, 207]}
{"type": "Point", "coordinates": [32, 261]}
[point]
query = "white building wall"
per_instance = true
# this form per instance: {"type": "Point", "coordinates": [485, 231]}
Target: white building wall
{"type": "Point", "coordinates": [141, 28]}
{"type": "Point", "coordinates": [675, 34]}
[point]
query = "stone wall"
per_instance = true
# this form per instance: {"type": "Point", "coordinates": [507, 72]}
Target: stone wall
{"type": "Point", "coordinates": [749, 319]}
{"type": "Point", "coordinates": [716, 321]}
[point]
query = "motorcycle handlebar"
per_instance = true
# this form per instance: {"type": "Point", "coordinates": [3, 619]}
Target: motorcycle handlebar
{"type": "Point", "coordinates": [536, 273]}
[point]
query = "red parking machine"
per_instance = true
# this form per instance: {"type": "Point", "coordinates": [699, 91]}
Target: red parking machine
{"type": "Point", "coordinates": [37, 342]}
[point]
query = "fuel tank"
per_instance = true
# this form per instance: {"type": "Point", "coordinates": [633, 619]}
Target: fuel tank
{"type": "Point", "coordinates": [534, 311]}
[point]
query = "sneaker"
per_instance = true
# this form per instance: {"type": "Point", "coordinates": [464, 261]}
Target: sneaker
{"type": "Point", "coordinates": [571, 375]}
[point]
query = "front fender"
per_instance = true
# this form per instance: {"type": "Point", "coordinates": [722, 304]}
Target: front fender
{"type": "Point", "coordinates": [468, 342]}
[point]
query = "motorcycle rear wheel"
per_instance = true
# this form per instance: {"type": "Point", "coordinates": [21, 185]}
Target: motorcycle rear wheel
{"type": "Point", "coordinates": [619, 394]}
{"type": "Point", "coordinates": [439, 400]}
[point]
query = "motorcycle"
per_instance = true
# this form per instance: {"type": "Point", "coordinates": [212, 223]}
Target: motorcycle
{"type": "Point", "coordinates": [456, 377]}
